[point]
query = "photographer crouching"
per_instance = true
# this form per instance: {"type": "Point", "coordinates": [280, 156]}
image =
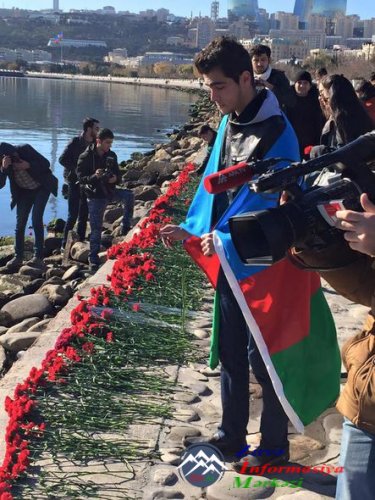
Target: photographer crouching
{"type": "Point", "coordinates": [98, 172]}
{"type": "Point", "coordinates": [310, 225]}
{"type": "Point", "coordinates": [31, 183]}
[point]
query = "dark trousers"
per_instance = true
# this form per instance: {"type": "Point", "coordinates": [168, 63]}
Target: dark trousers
{"type": "Point", "coordinates": [235, 351]}
{"type": "Point", "coordinates": [77, 208]}
{"type": "Point", "coordinates": [34, 201]}
{"type": "Point", "coordinates": [97, 208]}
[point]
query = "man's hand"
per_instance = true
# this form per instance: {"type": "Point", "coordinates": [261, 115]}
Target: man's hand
{"type": "Point", "coordinates": [6, 162]}
{"type": "Point", "coordinates": [359, 227]}
{"type": "Point", "coordinates": [112, 179]}
{"type": "Point", "coordinates": [264, 83]}
{"type": "Point", "coordinates": [99, 173]}
{"type": "Point", "coordinates": [207, 244]}
{"type": "Point", "coordinates": [171, 233]}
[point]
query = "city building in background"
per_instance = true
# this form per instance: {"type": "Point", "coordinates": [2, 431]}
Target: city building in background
{"type": "Point", "coordinates": [303, 9]}
{"type": "Point", "coordinates": [329, 8]}
{"type": "Point", "coordinates": [242, 8]}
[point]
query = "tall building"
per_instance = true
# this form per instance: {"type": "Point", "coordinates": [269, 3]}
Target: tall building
{"type": "Point", "coordinates": [302, 9]}
{"type": "Point", "coordinates": [215, 11]}
{"type": "Point", "coordinates": [56, 5]}
{"type": "Point", "coordinates": [329, 8]}
{"type": "Point", "coordinates": [242, 8]}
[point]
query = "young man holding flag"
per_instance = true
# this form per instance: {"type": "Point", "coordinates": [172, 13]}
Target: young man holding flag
{"type": "Point", "coordinates": [274, 304]}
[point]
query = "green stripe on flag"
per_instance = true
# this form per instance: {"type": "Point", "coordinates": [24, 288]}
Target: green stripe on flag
{"type": "Point", "coordinates": [310, 370]}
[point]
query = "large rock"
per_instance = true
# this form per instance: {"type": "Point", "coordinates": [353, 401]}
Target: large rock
{"type": "Point", "coordinates": [11, 284]}
{"type": "Point", "coordinates": [56, 294]}
{"type": "Point", "coordinates": [5, 319]}
{"type": "Point", "coordinates": [80, 251]}
{"type": "Point", "coordinates": [24, 325]}
{"type": "Point", "coordinates": [54, 271]}
{"type": "Point", "coordinates": [33, 286]}
{"type": "Point", "coordinates": [18, 341]}
{"type": "Point", "coordinates": [146, 193]}
{"type": "Point", "coordinates": [51, 243]}
{"type": "Point", "coordinates": [41, 326]}
{"type": "Point", "coordinates": [162, 155]}
{"type": "Point", "coordinates": [164, 169]}
{"type": "Point", "coordinates": [132, 174]}
{"type": "Point", "coordinates": [33, 272]}
{"type": "Point", "coordinates": [71, 273]}
{"type": "Point", "coordinates": [112, 213]}
{"type": "Point", "coordinates": [27, 307]}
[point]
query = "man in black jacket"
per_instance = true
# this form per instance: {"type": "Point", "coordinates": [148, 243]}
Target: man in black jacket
{"type": "Point", "coordinates": [77, 202]}
{"type": "Point", "coordinates": [98, 173]}
{"type": "Point", "coordinates": [273, 79]}
{"type": "Point", "coordinates": [31, 183]}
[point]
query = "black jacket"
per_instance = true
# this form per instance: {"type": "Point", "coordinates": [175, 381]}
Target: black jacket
{"type": "Point", "coordinates": [281, 88]}
{"type": "Point", "coordinates": [70, 155]}
{"type": "Point", "coordinates": [306, 117]}
{"type": "Point", "coordinates": [88, 162]}
{"type": "Point", "coordinates": [39, 170]}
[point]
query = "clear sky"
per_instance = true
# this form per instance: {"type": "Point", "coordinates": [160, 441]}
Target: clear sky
{"type": "Point", "coordinates": [365, 8]}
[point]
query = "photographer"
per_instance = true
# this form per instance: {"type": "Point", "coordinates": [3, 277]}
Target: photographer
{"type": "Point", "coordinates": [355, 281]}
{"type": "Point", "coordinates": [31, 183]}
{"type": "Point", "coordinates": [98, 172]}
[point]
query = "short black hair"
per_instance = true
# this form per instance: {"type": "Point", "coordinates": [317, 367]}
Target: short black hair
{"type": "Point", "coordinates": [204, 129]}
{"type": "Point", "coordinates": [259, 50]}
{"type": "Point", "coordinates": [89, 123]}
{"type": "Point", "coordinates": [105, 133]}
{"type": "Point", "coordinates": [226, 54]}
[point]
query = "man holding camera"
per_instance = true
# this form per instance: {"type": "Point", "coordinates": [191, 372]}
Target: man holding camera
{"type": "Point", "coordinates": [31, 183]}
{"type": "Point", "coordinates": [77, 202]}
{"type": "Point", "coordinates": [98, 173]}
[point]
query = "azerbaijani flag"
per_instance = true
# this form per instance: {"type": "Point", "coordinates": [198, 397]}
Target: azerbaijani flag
{"type": "Point", "coordinates": [284, 307]}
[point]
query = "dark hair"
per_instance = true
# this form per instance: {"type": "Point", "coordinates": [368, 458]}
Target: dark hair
{"type": "Point", "coordinates": [321, 72]}
{"type": "Point", "coordinates": [226, 54]}
{"type": "Point", "coordinates": [105, 133]}
{"type": "Point", "coordinates": [89, 123]}
{"type": "Point", "coordinates": [366, 89]}
{"type": "Point", "coordinates": [204, 129]}
{"type": "Point", "coordinates": [259, 50]}
{"type": "Point", "coordinates": [348, 113]}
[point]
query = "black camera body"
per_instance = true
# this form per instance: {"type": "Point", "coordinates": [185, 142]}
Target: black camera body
{"type": "Point", "coordinates": [108, 171]}
{"type": "Point", "coordinates": [307, 219]}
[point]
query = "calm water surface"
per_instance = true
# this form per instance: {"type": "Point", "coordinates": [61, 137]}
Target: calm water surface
{"type": "Point", "coordinates": [48, 113]}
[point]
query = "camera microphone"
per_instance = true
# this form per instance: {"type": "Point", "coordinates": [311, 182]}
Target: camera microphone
{"type": "Point", "coordinates": [229, 178]}
{"type": "Point", "coordinates": [239, 174]}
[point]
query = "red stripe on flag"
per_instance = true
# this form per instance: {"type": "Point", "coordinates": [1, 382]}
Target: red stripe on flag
{"type": "Point", "coordinates": [209, 265]}
{"type": "Point", "coordinates": [279, 299]}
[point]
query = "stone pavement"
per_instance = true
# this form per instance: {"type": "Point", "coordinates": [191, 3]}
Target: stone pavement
{"type": "Point", "coordinates": [196, 403]}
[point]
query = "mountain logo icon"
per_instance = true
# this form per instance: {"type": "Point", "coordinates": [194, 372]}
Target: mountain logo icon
{"type": "Point", "coordinates": [202, 465]}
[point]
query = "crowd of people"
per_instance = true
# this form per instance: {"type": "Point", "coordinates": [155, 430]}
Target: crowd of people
{"type": "Point", "coordinates": [326, 115]}
{"type": "Point", "coordinates": [91, 173]}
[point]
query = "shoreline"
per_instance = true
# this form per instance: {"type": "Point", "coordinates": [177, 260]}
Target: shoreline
{"type": "Point", "coordinates": [169, 83]}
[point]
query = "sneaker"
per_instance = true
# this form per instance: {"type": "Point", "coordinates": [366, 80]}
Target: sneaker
{"type": "Point", "coordinates": [220, 441]}
{"type": "Point", "coordinates": [251, 464]}
{"type": "Point", "coordinates": [12, 266]}
{"type": "Point", "coordinates": [36, 262]}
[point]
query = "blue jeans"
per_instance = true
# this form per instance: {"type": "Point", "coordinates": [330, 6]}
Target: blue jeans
{"type": "Point", "coordinates": [235, 351]}
{"type": "Point", "coordinates": [357, 481]}
{"type": "Point", "coordinates": [34, 201]}
{"type": "Point", "coordinates": [96, 208]}
{"type": "Point", "coordinates": [77, 208]}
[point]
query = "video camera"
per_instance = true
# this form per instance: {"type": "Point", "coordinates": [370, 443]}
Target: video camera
{"type": "Point", "coordinates": [108, 171]}
{"type": "Point", "coordinates": [307, 219]}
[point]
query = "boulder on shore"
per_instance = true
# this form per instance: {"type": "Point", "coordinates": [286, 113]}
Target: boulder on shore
{"type": "Point", "coordinates": [27, 307]}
